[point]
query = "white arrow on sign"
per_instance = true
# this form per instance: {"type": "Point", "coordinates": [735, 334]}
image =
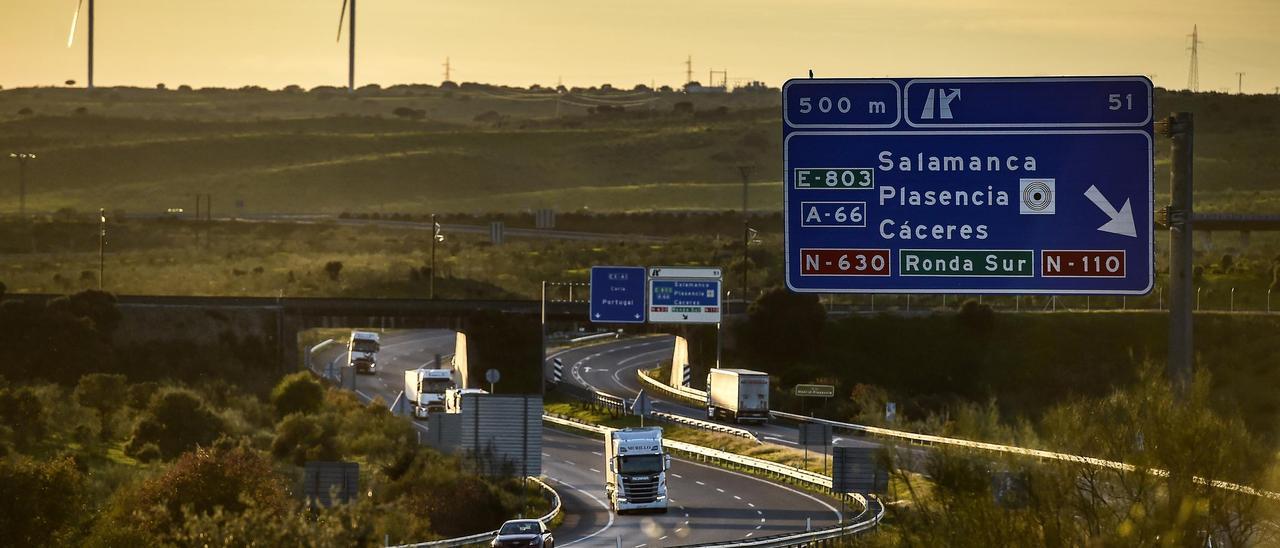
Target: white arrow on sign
{"type": "Point", "coordinates": [1121, 221]}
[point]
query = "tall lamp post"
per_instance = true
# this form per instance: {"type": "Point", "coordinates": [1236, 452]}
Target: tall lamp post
{"type": "Point", "coordinates": [747, 232]}
{"type": "Point", "coordinates": [22, 158]}
{"type": "Point", "coordinates": [102, 245]}
{"type": "Point", "coordinates": [437, 236]}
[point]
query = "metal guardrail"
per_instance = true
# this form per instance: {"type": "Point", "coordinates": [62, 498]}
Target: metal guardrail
{"type": "Point", "coordinates": [595, 336]}
{"type": "Point", "coordinates": [481, 538]}
{"type": "Point", "coordinates": [705, 425]}
{"type": "Point", "coordinates": [927, 439]}
{"type": "Point", "coordinates": [870, 516]}
{"type": "Point", "coordinates": [691, 393]}
{"type": "Point", "coordinates": [807, 538]}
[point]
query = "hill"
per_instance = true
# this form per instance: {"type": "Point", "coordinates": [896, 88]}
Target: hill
{"type": "Point", "coordinates": [475, 148]}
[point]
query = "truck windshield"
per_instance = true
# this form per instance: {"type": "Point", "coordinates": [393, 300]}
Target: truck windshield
{"type": "Point", "coordinates": [640, 464]}
{"type": "Point", "coordinates": [437, 387]}
{"type": "Point", "coordinates": [361, 345]}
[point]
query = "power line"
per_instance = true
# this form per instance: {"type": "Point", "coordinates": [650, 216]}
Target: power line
{"type": "Point", "coordinates": [1193, 75]}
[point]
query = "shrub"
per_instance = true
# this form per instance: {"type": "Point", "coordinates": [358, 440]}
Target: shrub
{"type": "Point", "coordinates": [199, 483]}
{"type": "Point", "coordinates": [23, 413]}
{"type": "Point", "coordinates": [175, 421]}
{"type": "Point", "coordinates": [39, 501]}
{"type": "Point", "coordinates": [300, 438]}
{"type": "Point", "coordinates": [297, 393]}
{"type": "Point", "coordinates": [333, 269]}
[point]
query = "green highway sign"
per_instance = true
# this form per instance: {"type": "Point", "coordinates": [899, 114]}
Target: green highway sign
{"type": "Point", "coordinates": [815, 390]}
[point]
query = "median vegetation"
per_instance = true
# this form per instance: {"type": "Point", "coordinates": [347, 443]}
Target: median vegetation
{"type": "Point", "coordinates": [180, 453]}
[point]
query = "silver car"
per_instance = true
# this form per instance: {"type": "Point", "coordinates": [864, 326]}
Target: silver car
{"type": "Point", "coordinates": [523, 532]}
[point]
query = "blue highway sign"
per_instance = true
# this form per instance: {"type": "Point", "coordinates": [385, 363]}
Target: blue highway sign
{"type": "Point", "coordinates": [617, 294]}
{"type": "Point", "coordinates": [969, 185]}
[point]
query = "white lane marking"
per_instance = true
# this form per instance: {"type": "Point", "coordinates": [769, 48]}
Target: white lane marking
{"type": "Point", "coordinates": [719, 490]}
{"type": "Point", "coordinates": [749, 534]}
{"type": "Point", "coordinates": [617, 379]}
{"type": "Point", "coordinates": [751, 505]}
{"type": "Point", "coordinates": [641, 545]}
{"type": "Point", "coordinates": [570, 463]}
{"type": "Point", "coordinates": [698, 482]}
{"type": "Point", "coordinates": [663, 537]}
{"type": "Point", "coordinates": [762, 520]}
{"type": "Point", "coordinates": [597, 453]}
{"type": "Point", "coordinates": [594, 470]}
{"type": "Point", "coordinates": [769, 483]}
{"type": "Point", "coordinates": [736, 497]}
{"type": "Point", "coordinates": [759, 526]}
{"type": "Point", "coordinates": [759, 513]}
{"type": "Point", "coordinates": [677, 476]}
{"type": "Point", "coordinates": [781, 440]}
{"type": "Point", "coordinates": [607, 512]}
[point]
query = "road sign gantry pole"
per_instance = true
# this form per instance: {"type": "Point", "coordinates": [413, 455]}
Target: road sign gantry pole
{"type": "Point", "coordinates": [1181, 131]}
{"type": "Point", "coordinates": [543, 366]}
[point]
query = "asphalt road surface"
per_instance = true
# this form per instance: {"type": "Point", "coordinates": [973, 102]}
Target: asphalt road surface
{"type": "Point", "coordinates": [707, 503]}
{"type": "Point", "coordinates": [612, 368]}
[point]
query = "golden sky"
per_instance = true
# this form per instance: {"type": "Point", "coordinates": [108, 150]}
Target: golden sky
{"type": "Point", "coordinates": [274, 43]}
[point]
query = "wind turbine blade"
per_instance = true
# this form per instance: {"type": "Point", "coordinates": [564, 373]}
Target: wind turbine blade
{"type": "Point", "coordinates": [71, 38]}
{"type": "Point", "coordinates": [341, 15]}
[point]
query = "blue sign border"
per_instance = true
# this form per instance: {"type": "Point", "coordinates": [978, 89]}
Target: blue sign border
{"type": "Point", "coordinates": [643, 307]}
{"type": "Point", "coordinates": [905, 126]}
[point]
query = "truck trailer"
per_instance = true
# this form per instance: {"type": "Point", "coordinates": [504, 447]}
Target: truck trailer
{"type": "Point", "coordinates": [739, 395]}
{"type": "Point", "coordinates": [635, 469]}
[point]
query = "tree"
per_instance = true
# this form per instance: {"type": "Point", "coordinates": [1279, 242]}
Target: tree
{"type": "Point", "coordinates": [175, 421]}
{"type": "Point", "coordinates": [333, 269]}
{"type": "Point", "coordinates": [199, 483]}
{"type": "Point", "coordinates": [98, 307]}
{"type": "Point", "coordinates": [300, 438]}
{"type": "Point", "coordinates": [39, 500]}
{"type": "Point", "coordinates": [23, 413]}
{"type": "Point", "coordinates": [784, 326]}
{"type": "Point", "coordinates": [103, 393]}
{"type": "Point", "coordinates": [297, 393]}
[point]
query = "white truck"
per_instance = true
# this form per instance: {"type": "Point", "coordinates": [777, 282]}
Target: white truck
{"type": "Point", "coordinates": [425, 389]}
{"type": "Point", "coordinates": [635, 469]}
{"type": "Point", "coordinates": [453, 398]}
{"type": "Point", "coordinates": [738, 394]}
{"type": "Point", "coordinates": [362, 352]}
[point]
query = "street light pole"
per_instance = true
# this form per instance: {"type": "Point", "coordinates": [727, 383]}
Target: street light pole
{"type": "Point", "coordinates": [22, 158]}
{"type": "Point", "coordinates": [745, 173]}
{"type": "Point", "coordinates": [437, 236]}
{"type": "Point", "coordinates": [433, 256]}
{"type": "Point", "coordinates": [102, 245]}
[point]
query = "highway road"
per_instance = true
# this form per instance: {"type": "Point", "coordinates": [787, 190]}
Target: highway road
{"type": "Point", "coordinates": [612, 367]}
{"type": "Point", "coordinates": [707, 503]}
